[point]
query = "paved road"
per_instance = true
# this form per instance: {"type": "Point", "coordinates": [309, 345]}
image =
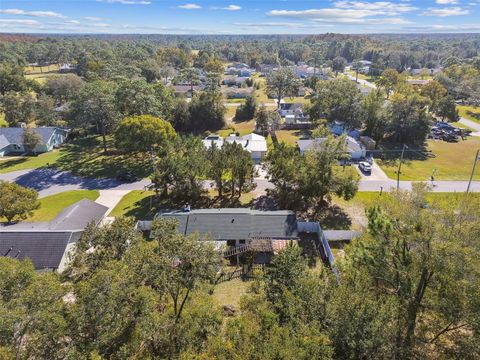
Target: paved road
{"type": "Point", "coordinates": [471, 124]}
{"type": "Point", "coordinates": [51, 181]}
{"type": "Point", "coordinates": [362, 82]}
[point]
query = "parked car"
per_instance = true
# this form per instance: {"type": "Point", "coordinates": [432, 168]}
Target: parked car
{"type": "Point", "coordinates": [126, 177]}
{"type": "Point", "coordinates": [365, 167]}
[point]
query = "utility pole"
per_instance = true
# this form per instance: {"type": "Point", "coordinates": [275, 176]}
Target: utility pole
{"type": "Point", "coordinates": [473, 170]}
{"type": "Point", "coordinates": [400, 166]}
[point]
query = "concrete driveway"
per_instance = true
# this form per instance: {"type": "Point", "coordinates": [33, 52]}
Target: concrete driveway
{"type": "Point", "coordinates": [53, 181]}
{"type": "Point", "coordinates": [376, 174]}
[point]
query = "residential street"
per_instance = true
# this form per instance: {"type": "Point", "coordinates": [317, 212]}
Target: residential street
{"type": "Point", "coordinates": [51, 181]}
{"type": "Point", "coordinates": [471, 124]}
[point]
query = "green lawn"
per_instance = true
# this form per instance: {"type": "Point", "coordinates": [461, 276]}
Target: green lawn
{"type": "Point", "coordinates": [137, 204]}
{"type": "Point", "coordinates": [290, 137]}
{"type": "Point", "coordinates": [355, 208]}
{"type": "Point", "coordinates": [230, 292]}
{"type": "Point", "coordinates": [51, 206]}
{"type": "Point", "coordinates": [83, 157]}
{"type": "Point", "coordinates": [3, 122]}
{"type": "Point", "coordinates": [464, 111]}
{"type": "Point", "coordinates": [9, 164]}
{"type": "Point", "coordinates": [452, 161]}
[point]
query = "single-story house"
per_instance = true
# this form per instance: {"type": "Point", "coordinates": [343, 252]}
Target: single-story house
{"type": "Point", "coordinates": [49, 244]}
{"type": "Point", "coordinates": [290, 109]}
{"type": "Point", "coordinates": [185, 90]}
{"type": "Point", "coordinates": [238, 230]}
{"type": "Point", "coordinates": [355, 149]}
{"type": "Point", "coordinates": [11, 139]}
{"type": "Point", "coordinates": [211, 140]}
{"type": "Point", "coordinates": [255, 144]}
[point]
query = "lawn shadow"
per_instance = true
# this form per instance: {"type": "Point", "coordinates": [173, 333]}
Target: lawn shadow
{"type": "Point", "coordinates": [85, 157]}
{"type": "Point", "coordinates": [5, 164]}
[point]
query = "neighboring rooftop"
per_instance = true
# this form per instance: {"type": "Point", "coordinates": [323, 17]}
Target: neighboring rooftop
{"type": "Point", "coordinates": [45, 243]}
{"type": "Point", "coordinates": [236, 224]}
{"type": "Point", "coordinates": [310, 144]}
{"type": "Point", "coordinates": [72, 218]}
{"type": "Point", "coordinates": [14, 135]}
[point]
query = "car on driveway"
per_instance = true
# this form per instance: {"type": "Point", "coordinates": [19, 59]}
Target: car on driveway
{"type": "Point", "coordinates": [126, 177]}
{"type": "Point", "coordinates": [365, 167]}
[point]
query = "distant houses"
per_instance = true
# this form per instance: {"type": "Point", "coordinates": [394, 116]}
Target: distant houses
{"type": "Point", "coordinates": [11, 139]}
{"type": "Point", "coordinates": [49, 244]}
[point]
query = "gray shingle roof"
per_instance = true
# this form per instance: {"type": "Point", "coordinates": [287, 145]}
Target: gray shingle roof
{"type": "Point", "coordinates": [236, 224]}
{"type": "Point", "coordinates": [79, 215]}
{"type": "Point", "coordinates": [44, 249]}
{"type": "Point", "coordinates": [14, 135]}
{"type": "Point", "coordinates": [74, 217]}
{"type": "Point", "coordinates": [45, 242]}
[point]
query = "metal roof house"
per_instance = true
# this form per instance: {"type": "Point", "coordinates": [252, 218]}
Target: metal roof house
{"type": "Point", "coordinates": [11, 139]}
{"type": "Point", "coordinates": [48, 244]}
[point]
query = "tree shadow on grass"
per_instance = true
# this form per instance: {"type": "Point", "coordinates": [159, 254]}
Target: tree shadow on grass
{"type": "Point", "coordinates": [85, 157]}
{"type": "Point", "coordinates": [330, 217]}
{"type": "Point", "coordinates": [5, 164]}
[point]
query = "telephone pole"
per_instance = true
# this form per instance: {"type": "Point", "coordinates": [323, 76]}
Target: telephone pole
{"type": "Point", "coordinates": [473, 170]}
{"type": "Point", "coordinates": [400, 166]}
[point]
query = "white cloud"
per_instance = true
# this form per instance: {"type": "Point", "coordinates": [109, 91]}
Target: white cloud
{"type": "Point", "coordinates": [14, 22]}
{"type": "Point", "coordinates": [232, 8]}
{"type": "Point", "coordinates": [447, 2]}
{"type": "Point", "coordinates": [387, 7]}
{"type": "Point", "coordinates": [31, 13]}
{"type": "Point", "coordinates": [92, 18]}
{"type": "Point", "coordinates": [189, 6]}
{"type": "Point", "coordinates": [127, 2]}
{"type": "Point", "coordinates": [444, 12]}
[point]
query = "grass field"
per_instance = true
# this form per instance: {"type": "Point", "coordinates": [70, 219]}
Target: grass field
{"type": "Point", "coordinates": [83, 157]}
{"type": "Point", "coordinates": [137, 204]}
{"type": "Point", "coordinates": [451, 161]}
{"type": "Point", "coordinates": [230, 292]}
{"type": "Point", "coordinates": [3, 122]}
{"type": "Point", "coordinates": [464, 111]}
{"type": "Point", "coordinates": [9, 164]}
{"type": "Point", "coordinates": [290, 137]}
{"type": "Point", "coordinates": [355, 208]}
{"type": "Point", "coordinates": [41, 70]}
{"type": "Point", "coordinates": [51, 206]}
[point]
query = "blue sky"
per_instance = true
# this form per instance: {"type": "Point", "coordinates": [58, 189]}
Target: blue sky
{"type": "Point", "coordinates": [239, 16]}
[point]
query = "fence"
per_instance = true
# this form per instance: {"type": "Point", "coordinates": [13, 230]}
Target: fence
{"type": "Point", "coordinates": [246, 272]}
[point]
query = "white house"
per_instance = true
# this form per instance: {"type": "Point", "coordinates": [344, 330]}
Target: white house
{"type": "Point", "coordinates": [212, 140]}
{"type": "Point", "coordinates": [255, 144]}
{"type": "Point", "coordinates": [355, 149]}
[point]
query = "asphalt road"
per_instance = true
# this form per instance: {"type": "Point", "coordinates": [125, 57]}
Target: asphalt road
{"type": "Point", "coordinates": [51, 181]}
